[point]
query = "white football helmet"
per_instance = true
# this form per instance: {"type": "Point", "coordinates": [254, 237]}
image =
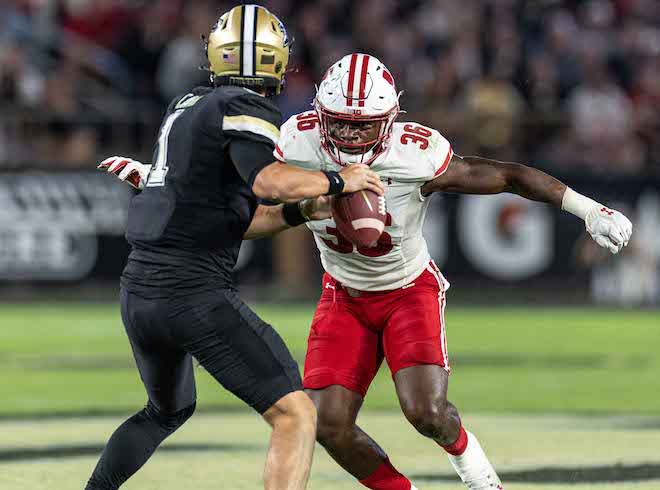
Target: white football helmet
{"type": "Point", "coordinates": [358, 88]}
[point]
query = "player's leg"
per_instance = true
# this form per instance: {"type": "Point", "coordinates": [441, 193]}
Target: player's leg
{"type": "Point", "coordinates": [337, 432]}
{"type": "Point", "coordinates": [351, 447]}
{"type": "Point", "coordinates": [342, 358]}
{"type": "Point", "coordinates": [249, 358]}
{"type": "Point", "coordinates": [292, 419]}
{"type": "Point", "coordinates": [422, 392]}
{"type": "Point", "coordinates": [167, 374]}
{"type": "Point", "coordinates": [415, 348]}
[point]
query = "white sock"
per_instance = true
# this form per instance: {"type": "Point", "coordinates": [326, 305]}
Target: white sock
{"type": "Point", "coordinates": [474, 468]}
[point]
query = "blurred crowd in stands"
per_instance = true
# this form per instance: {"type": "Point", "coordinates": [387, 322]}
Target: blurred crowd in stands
{"type": "Point", "coordinates": [569, 85]}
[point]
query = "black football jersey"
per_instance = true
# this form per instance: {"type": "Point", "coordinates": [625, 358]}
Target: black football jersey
{"type": "Point", "coordinates": [186, 226]}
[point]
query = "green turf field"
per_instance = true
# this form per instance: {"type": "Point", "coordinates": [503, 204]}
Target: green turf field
{"type": "Point", "coordinates": [560, 398]}
{"type": "Point", "coordinates": [64, 358]}
{"type": "Point", "coordinates": [219, 451]}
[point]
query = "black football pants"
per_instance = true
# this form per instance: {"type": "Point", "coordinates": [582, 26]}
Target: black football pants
{"type": "Point", "coordinates": [242, 352]}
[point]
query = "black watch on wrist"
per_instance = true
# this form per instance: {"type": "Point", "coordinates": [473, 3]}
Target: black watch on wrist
{"type": "Point", "coordinates": [336, 183]}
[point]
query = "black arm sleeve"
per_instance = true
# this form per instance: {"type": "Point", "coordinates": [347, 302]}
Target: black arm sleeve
{"type": "Point", "coordinates": [251, 128]}
{"type": "Point", "coordinates": [250, 158]}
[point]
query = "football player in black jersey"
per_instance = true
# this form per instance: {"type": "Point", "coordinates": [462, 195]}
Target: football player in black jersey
{"type": "Point", "coordinates": [212, 161]}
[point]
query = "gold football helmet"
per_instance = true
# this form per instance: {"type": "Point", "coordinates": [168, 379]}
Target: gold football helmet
{"type": "Point", "coordinates": [248, 47]}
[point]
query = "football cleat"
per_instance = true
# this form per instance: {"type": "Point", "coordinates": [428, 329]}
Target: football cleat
{"type": "Point", "coordinates": [489, 482]}
{"type": "Point", "coordinates": [473, 467]}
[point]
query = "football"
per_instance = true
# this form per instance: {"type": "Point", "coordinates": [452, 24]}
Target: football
{"type": "Point", "coordinates": [360, 216]}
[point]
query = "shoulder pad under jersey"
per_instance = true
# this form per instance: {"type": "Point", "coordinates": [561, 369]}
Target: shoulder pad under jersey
{"type": "Point", "coordinates": [300, 141]}
{"type": "Point", "coordinates": [250, 116]}
{"type": "Point", "coordinates": [417, 153]}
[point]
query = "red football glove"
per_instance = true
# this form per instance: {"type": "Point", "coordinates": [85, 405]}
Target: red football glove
{"type": "Point", "coordinates": [128, 170]}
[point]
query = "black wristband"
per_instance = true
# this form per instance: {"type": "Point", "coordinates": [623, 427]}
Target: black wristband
{"type": "Point", "coordinates": [336, 183]}
{"type": "Point", "coordinates": [292, 214]}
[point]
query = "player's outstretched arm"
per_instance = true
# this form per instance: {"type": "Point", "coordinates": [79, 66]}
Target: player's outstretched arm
{"type": "Point", "coordinates": [476, 175]}
{"type": "Point", "coordinates": [270, 220]}
{"type": "Point", "coordinates": [286, 183]}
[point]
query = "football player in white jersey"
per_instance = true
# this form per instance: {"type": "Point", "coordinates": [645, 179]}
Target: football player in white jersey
{"type": "Point", "coordinates": [388, 301]}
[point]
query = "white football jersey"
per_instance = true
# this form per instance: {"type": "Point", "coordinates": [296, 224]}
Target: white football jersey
{"type": "Point", "coordinates": [416, 154]}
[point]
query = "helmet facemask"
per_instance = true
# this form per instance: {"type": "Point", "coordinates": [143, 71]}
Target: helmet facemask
{"type": "Point", "coordinates": [362, 150]}
{"type": "Point", "coordinates": [356, 90]}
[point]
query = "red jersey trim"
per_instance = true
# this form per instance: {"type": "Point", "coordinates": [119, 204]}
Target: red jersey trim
{"type": "Point", "coordinates": [279, 154]}
{"type": "Point", "coordinates": [445, 164]}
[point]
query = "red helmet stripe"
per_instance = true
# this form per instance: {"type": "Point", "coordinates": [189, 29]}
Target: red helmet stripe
{"type": "Point", "coordinates": [351, 80]}
{"type": "Point", "coordinates": [388, 77]}
{"type": "Point", "coordinates": [363, 79]}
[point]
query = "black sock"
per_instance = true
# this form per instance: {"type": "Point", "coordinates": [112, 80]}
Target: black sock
{"type": "Point", "coordinates": [132, 444]}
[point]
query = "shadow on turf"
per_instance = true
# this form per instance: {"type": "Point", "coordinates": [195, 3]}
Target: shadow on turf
{"type": "Point", "coordinates": [61, 452]}
{"type": "Point", "coordinates": [593, 474]}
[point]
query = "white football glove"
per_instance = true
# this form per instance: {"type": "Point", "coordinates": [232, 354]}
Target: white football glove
{"type": "Point", "coordinates": [128, 170]}
{"type": "Point", "coordinates": [609, 228]}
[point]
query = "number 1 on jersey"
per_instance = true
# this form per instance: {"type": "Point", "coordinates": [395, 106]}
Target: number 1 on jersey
{"type": "Point", "coordinates": [159, 167]}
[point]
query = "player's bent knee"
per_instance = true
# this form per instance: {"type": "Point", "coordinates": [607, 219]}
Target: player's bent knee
{"type": "Point", "coordinates": [295, 408]}
{"type": "Point", "coordinates": [430, 418]}
{"type": "Point", "coordinates": [168, 421]}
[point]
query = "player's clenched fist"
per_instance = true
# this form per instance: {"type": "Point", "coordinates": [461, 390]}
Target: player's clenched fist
{"type": "Point", "coordinates": [609, 228]}
{"type": "Point", "coordinates": [358, 176]}
{"type": "Point", "coordinates": [128, 170]}
{"type": "Point", "coordinates": [316, 208]}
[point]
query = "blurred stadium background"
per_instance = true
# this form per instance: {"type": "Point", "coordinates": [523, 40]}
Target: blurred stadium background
{"type": "Point", "coordinates": [554, 344]}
